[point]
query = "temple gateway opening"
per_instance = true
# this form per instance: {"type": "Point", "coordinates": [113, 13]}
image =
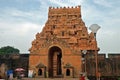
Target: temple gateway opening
{"type": "Point", "coordinates": [57, 49]}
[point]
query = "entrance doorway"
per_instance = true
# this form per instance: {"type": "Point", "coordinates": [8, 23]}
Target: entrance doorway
{"type": "Point", "coordinates": [54, 62]}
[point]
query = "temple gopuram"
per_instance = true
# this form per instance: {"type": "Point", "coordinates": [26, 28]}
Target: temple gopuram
{"type": "Point", "coordinates": [57, 49]}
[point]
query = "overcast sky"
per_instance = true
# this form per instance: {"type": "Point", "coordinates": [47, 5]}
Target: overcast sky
{"type": "Point", "coordinates": [20, 20]}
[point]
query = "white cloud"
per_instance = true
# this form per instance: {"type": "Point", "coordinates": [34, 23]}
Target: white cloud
{"type": "Point", "coordinates": [22, 28]}
{"type": "Point", "coordinates": [14, 14]}
{"type": "Point", "coordinates": [108, 41]}
{"type": "Point", "coordinates": [104, 3]}
{"type": "Point", "coordinates": [67, 2]}
{"type": "Point", "coordinates": [19, 13]}
{"type": "Point", "coordinates": [25, 28]}
{"type": "Point", "coordinates": [19, 35]}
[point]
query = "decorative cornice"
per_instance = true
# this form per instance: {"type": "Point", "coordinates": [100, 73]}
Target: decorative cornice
{"type": "Point", "coordinates": [65, 7]}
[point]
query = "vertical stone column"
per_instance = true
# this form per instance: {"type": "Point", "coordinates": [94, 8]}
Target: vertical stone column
{"type": "Point", "coordinates": [55, 64]}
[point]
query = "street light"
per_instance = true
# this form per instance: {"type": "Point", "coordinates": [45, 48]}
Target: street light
{"type": "Point", "coordinates": [84, 60]}
{"type": "Point", "coordinates": [94, 28]}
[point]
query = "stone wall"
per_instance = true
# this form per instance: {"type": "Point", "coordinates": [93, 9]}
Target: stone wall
{"type": "Point", "coordinates": [107, 66]}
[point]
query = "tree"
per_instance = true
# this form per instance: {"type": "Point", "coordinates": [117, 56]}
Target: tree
{"type": "Point", "coordinates": [8, 50]}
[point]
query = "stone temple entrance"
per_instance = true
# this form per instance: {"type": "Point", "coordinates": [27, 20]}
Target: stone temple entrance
{"type": "Point", "coordinates": [57, 49]}
{"type": "Point", "coordinates": [54, 62]}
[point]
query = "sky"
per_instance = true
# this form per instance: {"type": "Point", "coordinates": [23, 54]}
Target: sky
{"type": "Point", "coordinates": [21, 20]}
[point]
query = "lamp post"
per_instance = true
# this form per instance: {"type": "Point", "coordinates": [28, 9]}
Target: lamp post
{"type": "Point", "coordinates": [94, 28]}
{"type": "Point", "coordinates": [84, 60]}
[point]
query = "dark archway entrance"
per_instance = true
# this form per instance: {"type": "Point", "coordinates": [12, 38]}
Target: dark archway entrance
{"type": "Point", "coordinates": [40, 72]}
{"type": "Point", "coordinates": [68, 72]}
{"type": "Point", "coordinates": [54, 62]}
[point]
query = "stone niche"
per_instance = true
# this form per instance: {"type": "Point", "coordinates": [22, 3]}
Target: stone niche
{"type": "Point", "coordinates": [68, 71]}
{"type": "Point", "coordinates": [41, 69]}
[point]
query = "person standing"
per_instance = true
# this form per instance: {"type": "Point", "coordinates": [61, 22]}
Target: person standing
{"type": "Point", "coordinates": [3, 69]}
{"type": "Point", "coordinates": [10, 74]}
{"type": "Point", "coordinates": [82, 77]}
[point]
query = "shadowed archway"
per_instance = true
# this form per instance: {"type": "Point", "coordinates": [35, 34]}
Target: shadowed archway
{"type": "Point", "coordinates": [54, 62]}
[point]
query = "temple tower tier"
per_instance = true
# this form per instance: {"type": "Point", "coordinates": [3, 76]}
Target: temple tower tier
{"type": "Point", "coordinates": [60, 43]}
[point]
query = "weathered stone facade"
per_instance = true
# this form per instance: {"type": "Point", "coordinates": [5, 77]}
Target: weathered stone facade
{"type": "Point", "coordinates": [108, 67]}
{"type": "Point", "coordinates": [58, 47]}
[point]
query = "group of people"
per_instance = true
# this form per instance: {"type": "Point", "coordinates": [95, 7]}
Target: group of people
{"type": "Point", "coordinates": [7, 74]}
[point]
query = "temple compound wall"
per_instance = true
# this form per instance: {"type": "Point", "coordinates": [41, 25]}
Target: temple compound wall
{"type": "Point", "coordinates": [108, 67]}
{"type": "Point", "coordinates": [57, 49]}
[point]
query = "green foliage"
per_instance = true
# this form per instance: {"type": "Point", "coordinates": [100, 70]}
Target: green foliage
{"type": "Point", "coordinates": [8, 50]}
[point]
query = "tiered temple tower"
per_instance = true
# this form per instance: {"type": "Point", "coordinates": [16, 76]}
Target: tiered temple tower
{"type": "Point", "coordinates": [56, 51]}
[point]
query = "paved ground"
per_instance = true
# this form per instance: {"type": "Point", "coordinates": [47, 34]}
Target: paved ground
{"type": "Point", "coordinates": [50, 79]}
